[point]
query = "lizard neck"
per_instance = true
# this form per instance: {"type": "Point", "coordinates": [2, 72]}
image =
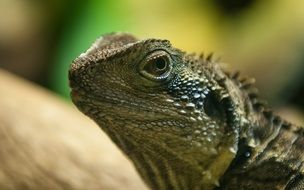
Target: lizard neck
{"type": "Point", "coordinates": [160, 168]}
{"type": "Point", "coordinates": [269, 153]}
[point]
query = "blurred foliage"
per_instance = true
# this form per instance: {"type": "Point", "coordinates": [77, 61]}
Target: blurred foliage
{"type": "Point", "coordinates": [92, 19]}
{"type": "Point", "coordinates": [233, 7]}
{"type": "Point", "coordinates": [264, 39]}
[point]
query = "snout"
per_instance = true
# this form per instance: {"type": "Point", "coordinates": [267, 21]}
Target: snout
{"type": "Point", "coordinates": [76, 69]}
{"type": "Point", "coordinates": [72, 79]}
{"type": "Point", "coordinates": [73, 76]}
{"type": "Point", "coordinates": [75, 81]}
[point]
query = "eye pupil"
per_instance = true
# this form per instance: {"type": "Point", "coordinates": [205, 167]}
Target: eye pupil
{"type": "Point", "coordinates": [160, 64]}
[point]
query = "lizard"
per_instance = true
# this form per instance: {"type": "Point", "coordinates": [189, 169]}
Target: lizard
{"type": "Point", "coordinates": [184, 121]}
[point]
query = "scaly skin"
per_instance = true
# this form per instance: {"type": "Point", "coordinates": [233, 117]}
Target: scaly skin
{"type": "Point", "coordinates": [183, 122]}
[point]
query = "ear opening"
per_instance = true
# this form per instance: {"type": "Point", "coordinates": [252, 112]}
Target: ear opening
{"type": "Point", "coordinates": [214, 108]}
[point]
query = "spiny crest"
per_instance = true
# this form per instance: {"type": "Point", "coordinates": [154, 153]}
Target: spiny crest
{"type": "Point", "coordinates": [260, 105]}
{"type": "Point", "coordinates": [198, 62]}
{"type": "Point", "coordinates": [247, 84]}
{"type": "Point", "coordinates": [209, 58]}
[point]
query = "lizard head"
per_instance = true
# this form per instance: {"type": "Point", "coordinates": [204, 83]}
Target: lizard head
{"type": "Point", "coordinates": [170, 112]}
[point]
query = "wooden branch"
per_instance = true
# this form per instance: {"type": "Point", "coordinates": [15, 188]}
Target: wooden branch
{"type": "Point", "coordinates": [45, 143]}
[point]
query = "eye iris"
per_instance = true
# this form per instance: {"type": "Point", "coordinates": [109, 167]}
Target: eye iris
{"type": "Point", "coordinates": [157, 66]}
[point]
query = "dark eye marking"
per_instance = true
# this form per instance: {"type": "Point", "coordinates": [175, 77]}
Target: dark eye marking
{"type": "Point", "coordinates": [156, 66]}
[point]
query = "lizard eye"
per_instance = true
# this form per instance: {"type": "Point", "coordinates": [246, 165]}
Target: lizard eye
{"type": "Point", "coordinates": [156, 66]}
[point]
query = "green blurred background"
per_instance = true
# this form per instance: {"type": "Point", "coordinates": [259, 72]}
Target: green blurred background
{"type": "Point", "coordinates": [263, 39]}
